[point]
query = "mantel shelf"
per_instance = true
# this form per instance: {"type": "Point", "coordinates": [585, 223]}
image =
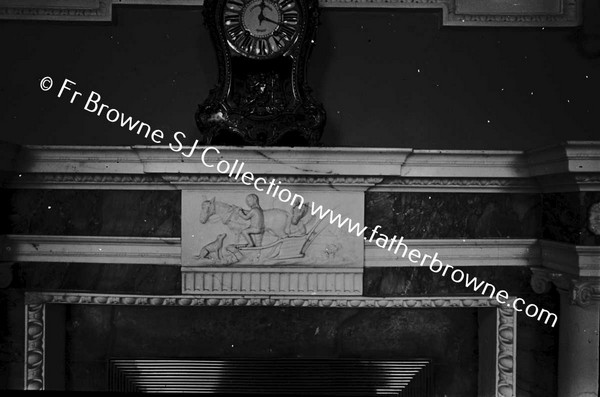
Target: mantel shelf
{"type": "Point", "coordinates": [571, 166]}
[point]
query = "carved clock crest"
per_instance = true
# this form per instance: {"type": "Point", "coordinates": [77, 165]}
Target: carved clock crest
{"type": "Point", "coordinates": [261, 97]}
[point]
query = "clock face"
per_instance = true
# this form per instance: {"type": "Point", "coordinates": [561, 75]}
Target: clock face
{"type": "Point", "coordinates": [261, 29]}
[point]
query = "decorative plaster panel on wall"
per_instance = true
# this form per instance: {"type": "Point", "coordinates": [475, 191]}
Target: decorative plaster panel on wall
{"type": "Point", "coordinates": [455, 12]}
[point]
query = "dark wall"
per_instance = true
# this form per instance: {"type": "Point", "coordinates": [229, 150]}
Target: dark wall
{"type": "Point", "coordinates": [387, 78]}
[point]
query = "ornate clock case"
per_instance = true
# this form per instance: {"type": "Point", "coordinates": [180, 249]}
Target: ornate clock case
{"type": "Point", "coordinates": [262, 97]}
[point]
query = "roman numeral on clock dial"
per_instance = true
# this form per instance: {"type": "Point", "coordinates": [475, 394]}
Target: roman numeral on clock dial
{"type": "Point", "coordinates": [235, 5]}
{"type": "Point", "coordinates": [235, 31]}
{"type": "Point", "coordinates": [262, 47]}
{"type": "Point", "coordinates": [286, 3]}
{"type": "Point", "coordinates": [245, 42]}
{"type": "Point", "coordinates": [290, 17]}
{"type": "Point", "coordinates": [287, 31]}
{"type": "Point", "coordinates": [275, 44]}
{"type": "Point", "coordinates": [232, 19]}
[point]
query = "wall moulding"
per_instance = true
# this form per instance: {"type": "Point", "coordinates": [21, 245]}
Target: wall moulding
{"type": "Point", "coordinates": [503, 329]}
{"type": "Point", "coordinates": [57, 10]}
{"type": "Point", "coordinates": [457, 185]}
{"type": "Point", "coordinates": [455, 12]}
{"type": "Point", "coordinates": [360, 183]}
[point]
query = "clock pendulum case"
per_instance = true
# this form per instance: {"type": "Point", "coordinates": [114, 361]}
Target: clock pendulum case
{"type": "Point", "coordinates": [262, 97]}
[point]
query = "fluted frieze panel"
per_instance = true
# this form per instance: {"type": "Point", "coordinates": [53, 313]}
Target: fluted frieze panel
{"type": "Point", "coordinates": [300, 281]}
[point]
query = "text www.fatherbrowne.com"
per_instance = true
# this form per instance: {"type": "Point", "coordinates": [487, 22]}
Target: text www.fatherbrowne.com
{"type": "Point", "coordinates": [273, 188]}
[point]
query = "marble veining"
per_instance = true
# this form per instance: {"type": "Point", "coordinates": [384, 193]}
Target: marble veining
{"type": "Point", "coordinates": [95, 212]}
{"type": "Point", "coordinates": [454, 215]}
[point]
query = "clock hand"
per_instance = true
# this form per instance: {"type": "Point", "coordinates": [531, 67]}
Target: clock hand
{"type": "Point", "coordinates": [270, 20]}
{"type": "Point", "coordinates": [261, 15]}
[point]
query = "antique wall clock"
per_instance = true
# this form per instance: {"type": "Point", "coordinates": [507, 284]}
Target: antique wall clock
{"type": "Point", "coordinates": [261, 97]}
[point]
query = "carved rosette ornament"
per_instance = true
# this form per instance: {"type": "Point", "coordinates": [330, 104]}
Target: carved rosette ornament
{"type": "Point", "coordinates": [584, 292]}
{"type": "Point", "coordinates": [262, 96]}
{"type": "Point", "coordinates": [594, 219]}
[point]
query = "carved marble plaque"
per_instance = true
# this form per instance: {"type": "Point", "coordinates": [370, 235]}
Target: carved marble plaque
{"type": "Point", "coordinates": [247, 241]}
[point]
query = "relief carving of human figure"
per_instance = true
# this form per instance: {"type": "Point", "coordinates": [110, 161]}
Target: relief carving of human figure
{"type": "Point", "coordinates": [255, 231]}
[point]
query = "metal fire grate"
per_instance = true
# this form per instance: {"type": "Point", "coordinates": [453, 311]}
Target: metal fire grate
{"type": "Point", "coordinates": [406, 378]}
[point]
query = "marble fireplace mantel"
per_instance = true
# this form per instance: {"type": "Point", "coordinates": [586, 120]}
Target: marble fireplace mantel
{"type": "Point", "coordinates": [339, 178]}
{"type": "Point", "coordinates": [569, 167]}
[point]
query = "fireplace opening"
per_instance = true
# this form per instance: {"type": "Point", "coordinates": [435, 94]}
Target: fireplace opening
{"type": "Point", "coordinates": [298, 376]}
{"type": "Point", "coordinates": [97, 336]}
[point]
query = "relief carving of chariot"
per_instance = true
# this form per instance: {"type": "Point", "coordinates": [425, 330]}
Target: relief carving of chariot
{"type": "Point", "coordinates": [257, 235]}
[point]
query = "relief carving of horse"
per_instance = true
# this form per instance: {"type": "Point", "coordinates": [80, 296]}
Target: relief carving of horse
{"type": "Point", "coordinates": [300, 220]}
{"type": "Point", "coordinates": [277, 221]}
